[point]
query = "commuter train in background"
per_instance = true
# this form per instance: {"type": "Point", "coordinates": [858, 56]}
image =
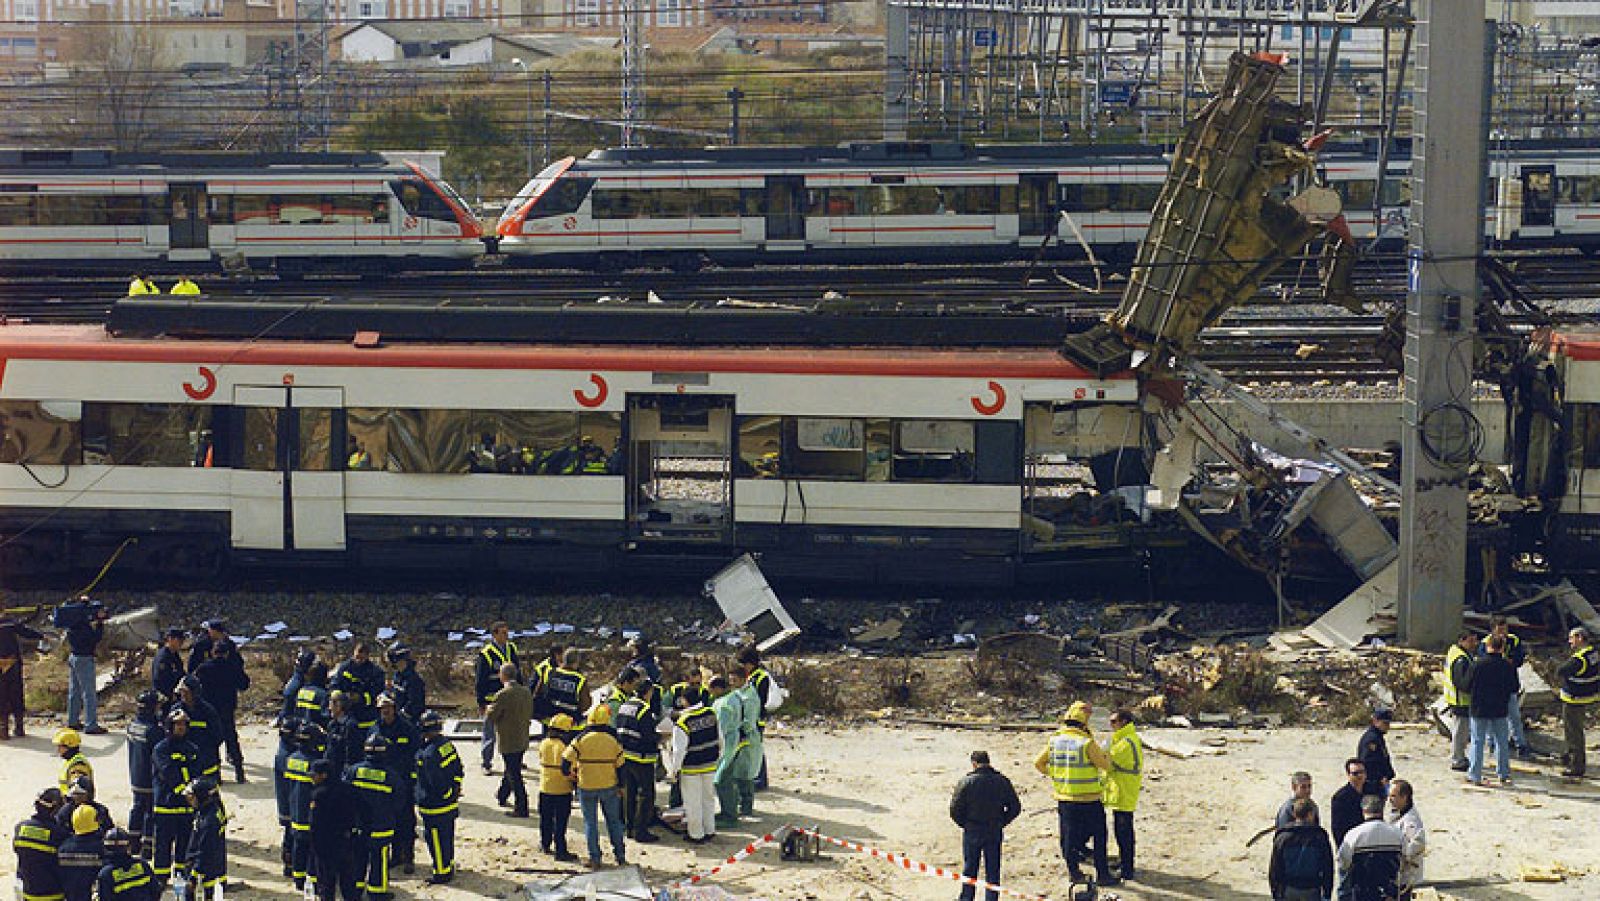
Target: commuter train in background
{"type": "Point", "coordinates": [946, 202]}
{"type": "Point", "coordinates": [71, 211]}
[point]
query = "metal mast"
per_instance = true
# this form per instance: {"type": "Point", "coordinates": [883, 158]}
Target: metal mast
{"type": "Point", "coordinates": [632, 72]}
{"type": "Point", "coordinates": [1441, 437]}
{"type": "Point", "coordinates": [313, 124]}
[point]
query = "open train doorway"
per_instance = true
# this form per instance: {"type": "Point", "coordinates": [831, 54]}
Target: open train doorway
{"type": "Point", "coordinates": [680, 468]}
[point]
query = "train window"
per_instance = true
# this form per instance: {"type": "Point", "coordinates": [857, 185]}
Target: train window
{"type": "Point", "coordinates": [146, 434]}
{"type": "Point", "coordinates": [1396, 192]}
{"type": "Point", "coordinates": [1136, 197]}
{"type": "Point", "coordinates": [753, 201]}
{"type": "Point", "coordinates": [932, 450]}
{"type": "Point", "coordinates": [1356, 193]}
{"type": "Point", "coordinates": [51, 210]}
{"type": "Point", "coordinates": [913, 200]}
{"type": "Point", "coordinates": [421, 200]}
{"type": "Point", "coordinates": [621, 204]}
{"type": "Point", "coordinates": [1584, 450]}
{"type": "Point", "coordinates": [562, 198]}
{"type": "Point", "coordinates": [298, 209]}
{"type": "Point", "coordinates": [823, 448]}
{"type": "Point", "coordinates": [671, 203]}
{"type": "Point", "coordinates": [125, 209]}
{"type": "Point", "coordinates": [458, 441]}
{"type": "Point", "coordinates": [1085, 198]}
{"type": "Point", "coordinates": [1580, 189]}
{"type": "Point", "coordinates": [42, 432]}
{"type": "Point", "coordinates": [260, 451]}
{"type": "Point", "coordinates": [315, 453]}
{"type": "Point", "coordinates": [219, 208]}
{"type": "Point", "coordinates": [760, 447]}
{"type": "Point", "coordinates": [878, 453]}
{"type": "Point", "coordinates": [720, 203]}
{"type": "Point", "coordinates": [252, 209]}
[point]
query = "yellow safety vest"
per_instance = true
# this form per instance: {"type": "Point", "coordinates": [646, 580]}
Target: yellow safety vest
{"type": "Point", "coordinates": [1454, 696]}
{"type": "Point", "coordinates": [1127, 770]}
{"type": "Point", "coordinates": [75, 766]}
{"type": "Point", "coordinates": [1071, 772]}
{"type": "Point", "coordinates": [1583, 688]}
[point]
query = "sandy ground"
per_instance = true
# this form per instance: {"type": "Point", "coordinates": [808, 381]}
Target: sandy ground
{"type": "Point", "coordinates": [890, 787]}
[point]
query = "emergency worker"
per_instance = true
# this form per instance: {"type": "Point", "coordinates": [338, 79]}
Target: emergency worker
{"type": "Point", "coordinates": [144, 733]}
{"type": "Point", "coordinates": [69, 747]}
{"type": "Point", "coordinates": [756, 675]}
{"type": "Point", "coordinates": [563, 689]}
{"type": "Point", "coordinates": [205, 729]}
{"type": "Point", "coordinates": [291, 688]}
{"type": "Point", "coordinates": [404, 741]}
{"type": "Point", "coordinates": [375, 787]}
{"type": "Point", "coordinates": [125, 877]}
{"type": "Point", "coordinates": [733, 774]}
{"type": "Point", "coordinates": [222, 679]}
{"type": "Point", "coordinates": [297, 772]}
{"type": "Point", "coordinates": [338, 846]}
{"type": "Point", "coordinates": [168, 669]}
{"type": "Point", "coordinates": [438, 792]}
{"type": "Point", "coordinates": [692, 763]}
{"type": "Point", "coordinates": [498, 651]}
{"type": "Point", "coordinates": [283, 787]}
{"type": "Point", "coordinates": [81, 795]}
{"type": "Point", "coordinates": [207, 859]}
{"type": "Point", "coordinates": [1457, 664]}
{"type": "Point", "coordinates": [37, 843]}
{"type": "Point", "coordinates": [641, 751]}
{"type": "Point", "coordinates": [13, 706]}
{"type": "Point", "coordinates": [311, 701]}
{"type": "Point", "coordinates": [1123, 781]}
{"type": "Point", "coordinates": [362, 681]}
{"type": "Point", "coordinates": [345, 736]}
{"type": "Point", "coordinates": [184, 286]}
{"type": "Point", "coordinates": [176, 763]}
{"type": "Point", "coordinates": [1580, 691]}
{"type": "Point", "coordinates": [409, 690]}
{"type": "Point", "coordinates": [81, 855]}
{"type": "Point", "coordinates": [1074, 761]}
{"type": "Point", "coordinates": [139, 286]}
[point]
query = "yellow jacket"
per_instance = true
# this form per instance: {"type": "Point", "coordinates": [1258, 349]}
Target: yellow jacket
{"type": "Point", "coordinates": [1073, 760]}
{"type": "Point", "coordinates": [184, 286]}
{"type": "Point", "coordinates": [1127, 769]}
{"type": "Point", "coordinates": [551, 780]}
{"type": "Point", "coordinates": [596, 756]}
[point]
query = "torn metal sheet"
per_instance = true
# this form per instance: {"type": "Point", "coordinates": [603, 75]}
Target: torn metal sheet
{"type": "Point", "coordinates": [1574, 604]}
{"type": "Point", "coordinates": [133, 630]}
{"type": "Point", "coordinates": [1352, 530]}
{"type": "Point", "coordinates": [620, 884]}
{"type": "Point", "coordinates": [741, 590]}
{"type": "Point", "coordinates": [1369, 610]}
{"type": "Point", "coordinates": [470, 730]}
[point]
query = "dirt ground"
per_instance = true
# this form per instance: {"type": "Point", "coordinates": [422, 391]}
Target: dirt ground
{"type": "Point", "coordinates": [889, 786]}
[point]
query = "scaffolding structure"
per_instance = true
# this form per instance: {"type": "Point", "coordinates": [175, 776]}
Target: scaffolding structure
{"type": "Point", "coordinates": [1113, 69]}
{"type": "Point", "coordinates": [312, 89]}
{"type": "Point", "coordinates": [633, 47]}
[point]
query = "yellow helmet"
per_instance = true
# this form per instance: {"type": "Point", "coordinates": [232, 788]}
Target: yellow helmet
{"type": "Point", "coordinates": [68, 738]}
{"type": "Point", "coordinates": [561, 723]}
{"type": "Point", "coordinates": [1077, 713]}
{"type": "Point", "coordinates": [600, 715]}
{"type": "Point", "coordinates": [85, 820]}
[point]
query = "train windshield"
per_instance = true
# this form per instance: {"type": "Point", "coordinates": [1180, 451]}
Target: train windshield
{"type": "Point", "coordinates": [535, 189]}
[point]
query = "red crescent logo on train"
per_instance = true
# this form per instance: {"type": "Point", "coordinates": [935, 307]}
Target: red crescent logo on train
{"type": "Point", "coordinates": [206, 388]}
{"type": "Point", "coordinates": [411, 222]}
{"type": "Point", "coordinates": [995, 404]}
{"type": "Point", "coordinates": [569, 223]}
{"type": "Point", "coordinates": [597, 398]}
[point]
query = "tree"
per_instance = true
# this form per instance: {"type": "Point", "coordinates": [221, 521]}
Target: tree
{"type": "Point", "coordinates": [121, 83]}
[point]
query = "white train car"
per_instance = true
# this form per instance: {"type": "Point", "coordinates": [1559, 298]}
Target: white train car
{"type": "Point", "coordinates": [857, 464]}
{"type": "Point", "coordinates": [81, 210]}
{"type": "Point", "coordinates": [945, 202]}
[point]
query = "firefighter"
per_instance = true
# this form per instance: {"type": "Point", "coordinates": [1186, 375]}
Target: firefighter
{"type": "Point", "coordinates": [345, 736]}
{"type": "Point", "coordinates": [205, 729]}
{"type": "Point", "coordinates": [375, 786]}
{"type": "Point", "coordinates": [37, 843]}
{"type": "Point", "coordinates": [69, 747]}
{"type": "Point", "coordinates": [311, 701]}
{"type": "Point", "coordinates": [222, 678]}
{"type": "Point", "coordinates": [438, 793]}
{"type": "Point", "coordinates": [168, 669]}
{"type": "Point", "coordinates": [291, 688]}
{"type": "Point", "coordinates": [410, 692]}
{"type": "Point", "coordinates": [124, 877]}
{"type": "Point", "coordinates": [283, 787]}
{"type": "Point", "coordinates": [338, 852]}
{"type": "Point", "coordinates": [362, 681]}
{"type": "Point", "coordinates": [297, 770]}
{"type": "Point", "coordinates": [144, 733]}
{"type": "Point", "coordinates": [404, 741]}
{"type": "Point", "coordinates": [82, 795]}
{"type": "Point", "coordinates": [176, 761]}
{"type": "Point", "coordinates": [756, 676]}
{"type": "Point", "coordinates": [207, 859]}
{"type": "Point", "coordinates": [80, 855]}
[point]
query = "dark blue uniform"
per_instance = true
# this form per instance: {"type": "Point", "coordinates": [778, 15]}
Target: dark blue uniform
{"type": "Point", "coordinates": [126, 878]}
{"type": "Point", "coordinates": [363, 682]}
{"type": "Point", "coordinates": [37, 842]}
{"type": "Point", "coordinates": [311, 704]}
{"type": "Point", "coordinates": [291, 689]}
{"type": "Point", "coordinates": [205, 731]}
{"type": "Point", "coordinates": [174, 766]}
{"type": "Point", "coordinates": [410, 692]}
{"type": "Point", "coordinates": [345, 738]}
{"type": "Point", "coordinates": [208, 848]}
{"type": "Point", "coordinates": [439, 774]}
{"type": "Point", "coordinates": [81, 858]}
{"type": "Point", "coordinates": [375, 786]}
{"type": "Point", "coordinates": [144, 733]}
{"type": "Point", "coordinates": [401, 762]}
{"type": "Point", "coordinates": [338, 846]}
{"type": "Point", "coordinates": [298, 772]}
{"type": "Point", "coordinates": [166, 673]}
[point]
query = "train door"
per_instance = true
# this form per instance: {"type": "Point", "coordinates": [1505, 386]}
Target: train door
{"type": "Point", "coordinates": [680, 468]}
{"type": "Point", "coordinates": [1036, 206]}
{"type": "Point", "coordinates": [288, 484]}
{"type": "Point", "coordinates": [786, 210]}
{"type": "Point", "coordinates": [1538, 201]}
{"type": "Point", "coordinates": [188, 222]}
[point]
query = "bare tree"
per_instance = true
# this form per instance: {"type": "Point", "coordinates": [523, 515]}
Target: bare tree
{"type": "Point", "coordinates": [121, 83]}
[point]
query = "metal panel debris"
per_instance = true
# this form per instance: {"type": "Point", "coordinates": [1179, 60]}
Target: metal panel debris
{"type": "Point", "coordinates": [742, 592]}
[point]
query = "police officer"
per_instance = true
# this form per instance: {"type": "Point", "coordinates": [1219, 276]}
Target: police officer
{"type": "Point", "coordinates": [362, 681]}
{"type": "Point", "coordinates": [410, 692]}
{"type": "Point", "coordinates": [498, 651]}
{"type": "Point", "coordinates": [80, 855]}
{"type": "Point", "coordinates": [222, 678]}
{"type": "Point", "coordinates": [37, 843]}
{"type": "Point", "coordinates": [681, 696]}
{"type": "Point", "coordinates": [345, 735]}
{"type": "Point", "coordinates": [338, 852]}
{"type": "Point", "coordinates": [283, 787]}
{"type": "Point", "coordinates": [144, 733]}
{"type": "Point", "coordinates": [1580, 691]}
{"type": "Point", "coordinates": [1073, 761]}
{"type": "Point", "coordinates": [375, 786]}
{"type": "Point", "coordinates": [205, 728]}
{"type": "Point", "coordinates": [311, 701]}
{"type": "Point", "coordinates": [636, 726]}
{"type": "Point", "coordinates": [125, 877]}
{"type": "Point", "coordinates": [175, 761]}
{"type": "Point", "coordinates": [402, 764]}
{"type": "Point", "coordinates": [539, 677]}
{"type": "Point", "coordinates": [563, 688]}
{"type": "Point", "coordinates": [168, 669]}
{"type": "Point", "coordinates": [207, 859]}
{"type": "Point", "coordinates": [210, 632]}
{"type": "Point", "coordinates": [69, 747]}
{"type": "Point", "coordinates": [291, 688]}
{"type": "Point", "coordinates": [297, 772]}
{"type": "Point", "coordinates": [439, 774]}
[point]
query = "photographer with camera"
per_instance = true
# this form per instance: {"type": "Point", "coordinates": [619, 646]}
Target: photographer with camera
{"type": "Point", "coordinates": [85, 622]}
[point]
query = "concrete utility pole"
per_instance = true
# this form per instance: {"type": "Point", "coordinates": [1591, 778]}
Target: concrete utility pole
{"type": "Point", "coordinates": [1440, 435]}
{"type": "Point", "coordinates": [897, 54]}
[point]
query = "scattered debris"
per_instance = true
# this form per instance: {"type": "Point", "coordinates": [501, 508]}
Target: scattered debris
{"type": "Point", "coordinates": [746, 599]}
{"type": "Point", "coordinates": [620, 884]}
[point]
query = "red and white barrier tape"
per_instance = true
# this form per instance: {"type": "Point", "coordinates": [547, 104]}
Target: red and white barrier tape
{"type": "Point", "coordinates": [754, 846]}
{"type": "Point", "coordinates": [916, 866]}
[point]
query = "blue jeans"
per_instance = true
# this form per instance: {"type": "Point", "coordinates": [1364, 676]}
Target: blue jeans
{"type": "Point", "coordinates": [80, 691]}
{"type": "Point", "coordinates": [980, 844]}
{"type": "Point", "coordinates": [609, 802]}
{"type": "Point", "coordinates": [1483, 731]}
